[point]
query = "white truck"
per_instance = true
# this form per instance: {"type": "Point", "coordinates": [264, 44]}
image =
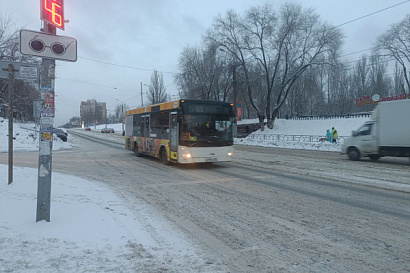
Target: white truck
{"type": "Point", "coordinates": [386, 134]}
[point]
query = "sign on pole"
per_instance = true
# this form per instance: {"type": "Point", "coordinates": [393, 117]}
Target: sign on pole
{"type": "Point", "coordinates": [48, 46]}
{"type": "Point", "coordinates": [26, 71]}
{"type": "Point", "coordinates": [239, 110]}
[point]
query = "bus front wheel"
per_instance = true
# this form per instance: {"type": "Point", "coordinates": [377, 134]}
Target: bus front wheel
{"type": "Point", "coordinates": [163, 156]}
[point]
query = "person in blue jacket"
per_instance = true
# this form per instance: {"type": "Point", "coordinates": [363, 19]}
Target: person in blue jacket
{"type": "Point", "coordinates": [328, 135]}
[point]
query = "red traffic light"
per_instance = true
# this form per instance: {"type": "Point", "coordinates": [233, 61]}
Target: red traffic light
{"type": "Point", "coordinates": [52, 11]}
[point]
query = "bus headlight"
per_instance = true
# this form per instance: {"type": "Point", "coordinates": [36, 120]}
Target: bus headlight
{"type": "Point", "coordinates": [230, 154]}
{"type": "Point", "coordinates": [187, 155]}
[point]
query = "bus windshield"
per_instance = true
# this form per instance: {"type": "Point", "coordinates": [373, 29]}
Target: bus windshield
{"type": "Point", "coordinates": [206, 130]}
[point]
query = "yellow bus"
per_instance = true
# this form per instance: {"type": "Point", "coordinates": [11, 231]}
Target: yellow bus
{"type": "Point", "coordinates": [182, 131]}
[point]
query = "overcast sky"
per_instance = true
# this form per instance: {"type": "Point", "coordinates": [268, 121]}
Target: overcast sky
{"type": "Point", "coordinates": [139, 36]}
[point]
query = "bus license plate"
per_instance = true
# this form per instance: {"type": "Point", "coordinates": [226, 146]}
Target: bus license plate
{"type": "Point", "coordinates": [211, 159]}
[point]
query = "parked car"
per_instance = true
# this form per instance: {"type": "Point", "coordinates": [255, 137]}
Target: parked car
{"type": "Point", "coordinates": [60, 133]}
{"type": "Point", "coordinates": [110, 130]}
{"type": "Point", "coordinates": [105, 130]}
{"type": "Point", "coordinates": [88, 129]}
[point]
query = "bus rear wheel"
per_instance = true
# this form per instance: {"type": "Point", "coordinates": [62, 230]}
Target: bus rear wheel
{"type": "Point", "coordinates": [136, 152]}
{"type": "Point", "coordinates": [163, 156]}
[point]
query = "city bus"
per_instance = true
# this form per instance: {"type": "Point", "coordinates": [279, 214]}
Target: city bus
{"type": "Point", "coordinates": [182, 131]}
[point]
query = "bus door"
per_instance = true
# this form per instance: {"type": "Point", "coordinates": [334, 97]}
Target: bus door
{"type": "Point", "coordinates": [173, 135]}
{"type": "Point", "coordinates": [145, 132]}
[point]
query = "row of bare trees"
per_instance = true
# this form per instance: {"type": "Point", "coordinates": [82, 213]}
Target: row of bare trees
{"type": "Point", "coordinates": [288, 62]}
{"type": "Point", "coordinates": [24, 92]}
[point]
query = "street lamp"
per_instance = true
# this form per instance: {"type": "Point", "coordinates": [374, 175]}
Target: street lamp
{"type": "Point", "coordinates": [148, 85]}
{"type": "Point", "coordinates": [234, 66]}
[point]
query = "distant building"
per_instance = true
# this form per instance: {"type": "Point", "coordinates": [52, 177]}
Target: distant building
{"type": "Point", "coordinates": [93, 112]}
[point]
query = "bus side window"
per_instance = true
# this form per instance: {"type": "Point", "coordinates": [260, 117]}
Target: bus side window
{"type": "Point", "coordinates": [142, 128]}
{"type": "Point", "coordinates": [136, 131]}
{"type": "Point", "coordinates": [164, 121]}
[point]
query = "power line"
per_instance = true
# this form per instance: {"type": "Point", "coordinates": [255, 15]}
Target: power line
{"type": "Point", "coordinates": [175, 73]}
{"type": "Point", "coordinates": [127, 66]}
{"type": "Point", "coordinates": [373, 13]}
{"type": "Point", "coordinates": [95, 84]}
{"type": "Point", "coordinates": [152, 70]}
{"type": "Point", "coordinates": [360, 51]}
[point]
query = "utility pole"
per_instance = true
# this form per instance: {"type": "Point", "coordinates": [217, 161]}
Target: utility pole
{"type": "Point", "coordinates": [235, 131]}
{"type": "Point", "coordinates": [46, 134]}
{"type": "Point", "coordinates": [142, 101]}
{"type": "Point", "coordinates": [27, 71]}
{"type": "Point", "coordinates": [11, 86]}
{"type": "Point", "coordinates": [11, 71]}
{"type": "Point", "coordinates": [122, 116]}
{"type": "Point", "coordinates": [47, 45]}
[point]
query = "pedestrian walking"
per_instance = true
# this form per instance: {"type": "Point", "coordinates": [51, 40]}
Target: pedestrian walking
{"type": "Point", "coordinates": [334, 135]}
{"type": "Point", "coordinates": [328, 136]}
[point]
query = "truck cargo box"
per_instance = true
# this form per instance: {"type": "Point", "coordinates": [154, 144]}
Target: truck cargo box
{"type": "Point", "coordinates": [393, 118]}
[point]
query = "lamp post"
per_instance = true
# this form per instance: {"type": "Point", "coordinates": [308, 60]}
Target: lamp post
{"type": "Point", "coordinates": [147, 85]}
{"type": "Point", "coordinates": [234, 66]}
{"type": "Point", "coordinates": [235, 93]}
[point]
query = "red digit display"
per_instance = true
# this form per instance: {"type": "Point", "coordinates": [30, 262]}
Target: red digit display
{"type": "Point", "coordinates": [52, 11]}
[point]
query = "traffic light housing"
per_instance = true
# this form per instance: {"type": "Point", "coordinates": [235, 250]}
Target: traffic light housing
{"type": "Point", "coordinates": [52, 12]}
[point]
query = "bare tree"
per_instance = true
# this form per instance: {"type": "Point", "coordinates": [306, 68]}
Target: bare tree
{"type": "Point", "coordinates": [231, 36]}
{"type": "Point", "coordinates": [156, 92]}
{"type": "Point", "coordinates": [204, 74]}
{"type": "Point", "coordinates": [379, 83]}
{"type": "Point", "coordinates": [24, 93]}
{"type": "Point", "coordinates": [360, 76]}
{"type": "Point", "coordinates": [398, 80]}
{"type": "Point", "coordinates": [281, 45]}
{"type": "Point", "coordinates": [8, 38]}
{"type": "Point", "coordinates": [120, 110]}
{"type": "Point", "coordinates": [395, 43]}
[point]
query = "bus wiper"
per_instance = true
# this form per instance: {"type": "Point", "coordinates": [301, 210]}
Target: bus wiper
{"type": "Point", "coordinates": [214, 139]}
{"type": "Point", "coordinates": [192, 144]}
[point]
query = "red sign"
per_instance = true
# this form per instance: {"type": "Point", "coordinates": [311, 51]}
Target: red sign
{"type": "Point", "coordinates": [377, 98]}
{"type": "Point", "coordinates": [52, 11]}
{"type": "Point", "coordinates": [49, 101]}
{"type": "Point", "coordinates": [239, 110]}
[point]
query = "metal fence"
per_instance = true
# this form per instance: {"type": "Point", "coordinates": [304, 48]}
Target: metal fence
{"type": "Point", "coordinates": [353, 115]}
{"type": "Point", "coordinates": [291, 138]}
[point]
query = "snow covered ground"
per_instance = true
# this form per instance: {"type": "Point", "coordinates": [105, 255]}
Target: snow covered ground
{"type": "Point", "coordinates": [316, 128]}
{"type": "Point", "coordinates": [25, 137]}
{"type": "Point", "coordinates": [92, 230]}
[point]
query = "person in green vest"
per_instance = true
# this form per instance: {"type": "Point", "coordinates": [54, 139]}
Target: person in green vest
{"type": "Point", "coordinates": [334, 135]}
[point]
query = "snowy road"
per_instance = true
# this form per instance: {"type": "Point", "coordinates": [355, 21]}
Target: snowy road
{"type": "Point", "coordinates": [271, 210]}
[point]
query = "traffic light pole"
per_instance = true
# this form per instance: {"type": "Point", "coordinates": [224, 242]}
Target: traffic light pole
{"type": "Point", "coordinates": [46, 134]}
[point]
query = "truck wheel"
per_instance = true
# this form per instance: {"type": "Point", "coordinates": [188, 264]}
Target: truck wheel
{"type": "Point", "coordinates": [353, 154]}
{"type": "Point", "coordinates": [374, 157]}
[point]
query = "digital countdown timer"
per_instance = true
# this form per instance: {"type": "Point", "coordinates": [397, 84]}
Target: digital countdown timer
{"type": "Point", "coordinates": [52, 11]}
